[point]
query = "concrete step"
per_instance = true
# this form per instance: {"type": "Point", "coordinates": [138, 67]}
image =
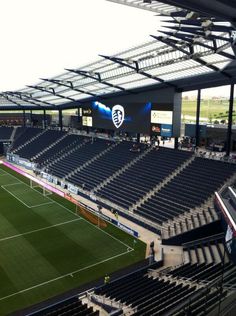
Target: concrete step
{"type": "Point", "coordinates": [200, 255]}
{"type": "Point", "coordinates": [186, 258]}
{"type": "Point", "coordinates": [208, 254]}
{"type": "Point", "coordinates": [193, 256]}
{"type": "Point", "coordinates": [216, 253]}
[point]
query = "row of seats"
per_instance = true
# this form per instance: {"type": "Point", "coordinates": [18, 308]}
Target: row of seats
{"type": "Point", "coordinates": [24, 137]}
{"type": "Point", "coordinates": [189, 189]}
{"type": "Point", "coordinates": [67, 158]}
{"type": "Point", "coordinates": [146, 295]}
{"type": "Point", "coordinates": [205, 261]}
{"type": "Point", "coordinates": [158, 296]}
{"type": "Point", "coordinates": [85, 150]}
{"type": "Point", "coordinates": [105, 166]}
{"type": "Point", "coordinates": [60, 148]}
{"type": "Point", "coordinates": [71, 307]}
{"type": "Point", "coordinates": [42, 142]}
{"type": "Point", "coordinates": [193, 221]}
{"type": "Point", "coordinates": [5, 132]}
{"type": "Point", "coordinates": [18, 132]}
{"type": "Point", "coordinates": [205, 302]}
{"type": "Point", "coordinates": [143, 176]}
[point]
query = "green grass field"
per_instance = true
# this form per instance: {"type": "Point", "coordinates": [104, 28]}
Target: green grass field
{"type": "Point", "coordinates": [211, 109]}
{"type": "Point", "coordinates": [47, 249]}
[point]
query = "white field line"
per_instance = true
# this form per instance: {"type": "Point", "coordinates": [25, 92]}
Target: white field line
{"type": "Point", "coordinates": [68, 210]}
{"type": "Point", "coordinates": [94, 226]}
{"type": "Point", "coordinates": [64, 275]}
{"type": "Point", "coordinates": [3, 174]}
{"type": "Point", "coordinates": [8, 185]}
{"type": "Point", "coordinates": [38, 230]}
{"type": "Point", "coordinates": [15, 196]}
{"type": "Point", "coordinates": [46, 203]}
{"type": "Point", "coordinates": [109, 234]}
{"type": "Point", "coordinates": [37, 205]}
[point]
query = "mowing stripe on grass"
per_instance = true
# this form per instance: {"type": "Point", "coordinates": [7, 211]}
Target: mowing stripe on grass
{"type": "Point", "coordinates": [94, 226]}
{"type": "Point", "coordinates": [40, 229]}
{"type": "Point", "coordinates": [65, 275]}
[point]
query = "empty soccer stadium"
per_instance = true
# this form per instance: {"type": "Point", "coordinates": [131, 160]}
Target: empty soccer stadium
{"type": "Point", "coordinates": [118, 177]}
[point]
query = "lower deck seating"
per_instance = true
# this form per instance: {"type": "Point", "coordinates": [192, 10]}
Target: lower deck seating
{"type": "Point", "coordinates": [105, 166]}
{"type": "Point", "coordinates": [25, 136]}
{"type": "Point", "coordinates": [189, 189]}
{"type": "Point", "coordinates": [78, 156]}
{"type": "Point", "coordinates": [5, 132]}
{"type": "Point", "coordinates": [35, 147]}
{"type": "Point", "coordinates": [19, 131]}
{"type": "Point", "coordinates": [56, 151]}
{"type": "Point", "coordinates": [143, 176]}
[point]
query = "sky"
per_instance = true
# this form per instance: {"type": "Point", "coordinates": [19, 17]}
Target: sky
{"type": "Point", "coordinates": [39, 38]}
{"type": "Point", "coordinates": [222, 91]}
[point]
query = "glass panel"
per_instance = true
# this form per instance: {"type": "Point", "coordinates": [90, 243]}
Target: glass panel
{"type": "Point", "coordinates": [214, 114]}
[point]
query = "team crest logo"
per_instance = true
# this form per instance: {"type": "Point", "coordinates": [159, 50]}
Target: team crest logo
{"type": "Point", "coordinates": [118, 115]}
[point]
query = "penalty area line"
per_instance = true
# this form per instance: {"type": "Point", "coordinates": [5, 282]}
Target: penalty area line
{"type": "Point", "coordinates": [42, 204]}
{"type": "Point", "coordinates": [64, 275]}
{"type": "Point", "coordinates": [53, 201]}
{"type": "Point", "coordinates": [10, 184]}
{"type": "Point", "coordinates": [15, 196]}
{"type": "Point", "coordinates": [4, 174]}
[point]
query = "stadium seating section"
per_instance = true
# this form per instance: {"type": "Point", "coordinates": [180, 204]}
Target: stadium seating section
{"type": "Point", "coordinates": [143, 176]}
{"type": "Point", "coordinates": [84, 150]}
{"type": "Point", "coordinates": [69, 307]}
{"type": "Point", "coordinates": [166, 293]}
{"type": "Point", "coordinates": [117, 156]}
{"type": "Point", "coordinates": [28, 134]}
{"type": "Point", "coordinates": [189, 189]}
{"type": "Point", "coordinates": [126, 178]}
{"type": "Point", "coordinates": [5, 132]}
{"type": "Point", "coordinates": [205, 260]}
{"type": "Point", "coordinates": [160, 185]}
{"type": "Point", "coordinates": [38, 144]}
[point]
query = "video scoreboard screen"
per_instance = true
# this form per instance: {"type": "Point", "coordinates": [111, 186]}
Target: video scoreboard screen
{"type": "Point", "coordinates": [122, 117]}
{"type": "Point", "coordinates": [142, 118]}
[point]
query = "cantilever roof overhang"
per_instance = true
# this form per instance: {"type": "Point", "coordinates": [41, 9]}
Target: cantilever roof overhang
{"type": "Point", "coordinates": [188, 46]}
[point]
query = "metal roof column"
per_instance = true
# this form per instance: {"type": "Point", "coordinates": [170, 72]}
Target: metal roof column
{"type": "Point", "coordinates": [230, 118]}
{"type": "Point", "coordinates": [197, 132]}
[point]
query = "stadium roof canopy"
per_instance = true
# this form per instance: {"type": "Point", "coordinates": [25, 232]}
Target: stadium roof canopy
{"type": "Point", "coordinates": [221, 9]}
{"type": "Point", "coordinates": [196, 41]}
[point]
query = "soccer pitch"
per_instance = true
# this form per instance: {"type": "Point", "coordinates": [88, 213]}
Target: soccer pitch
{"type": "Point", "coordinates": [47, 249]}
